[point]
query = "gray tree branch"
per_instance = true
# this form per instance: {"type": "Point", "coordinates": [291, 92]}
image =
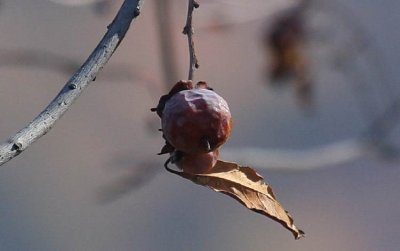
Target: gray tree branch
{"type": "Point", "coordinates": [74, 87]}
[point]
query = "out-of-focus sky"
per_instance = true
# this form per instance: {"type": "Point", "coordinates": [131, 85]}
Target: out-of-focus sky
{"type": "Point", "coordinates": [49, 195]}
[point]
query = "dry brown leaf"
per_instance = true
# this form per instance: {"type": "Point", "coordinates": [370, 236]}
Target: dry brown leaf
{"type": "Point", "coordinates": [247, 187]}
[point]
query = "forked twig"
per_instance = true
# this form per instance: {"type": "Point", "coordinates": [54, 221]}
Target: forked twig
{"type": "Point", "coordinates": [74, 87]}
{"type": "Point", "coordinates": [188, 30]}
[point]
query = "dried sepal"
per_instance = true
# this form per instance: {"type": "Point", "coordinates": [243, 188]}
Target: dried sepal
{"type": "Point", "coordinates": [180, 86]}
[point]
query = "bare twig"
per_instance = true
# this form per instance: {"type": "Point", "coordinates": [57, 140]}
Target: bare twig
{"type": "Point", "coordinates": [74, 87]}
{"type": "Point", "coordinates": [188, 30]}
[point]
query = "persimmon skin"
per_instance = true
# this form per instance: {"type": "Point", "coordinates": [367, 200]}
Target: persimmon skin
{"type": "Point", "coordinates": [196, 121]}
{"type": "Point", "coordinates": [198, 163]}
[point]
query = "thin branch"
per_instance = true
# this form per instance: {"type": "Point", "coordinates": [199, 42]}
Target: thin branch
{"type": "Point", "coordinates": [384, 124]}
{"type": "Point", "coordinates": [74, 87]}
{"type": "Point", "coordinates": [341, 152]}
{"type": "Point", "coordinates": [188, 30]}
{"type": "Point", "coordinates": [370, 142]}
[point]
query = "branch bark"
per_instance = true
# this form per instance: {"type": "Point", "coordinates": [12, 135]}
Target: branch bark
{"type": "Point", "coordinates": [74, 87]}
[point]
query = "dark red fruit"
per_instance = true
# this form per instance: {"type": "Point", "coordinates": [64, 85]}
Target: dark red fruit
{"type": "Point", "coordinates": [198, 163]}
{"type": "Point", "coordinates": [196, 121]}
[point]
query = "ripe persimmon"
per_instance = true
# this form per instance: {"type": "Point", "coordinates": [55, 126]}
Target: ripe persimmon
{"type": "Point", "coordinates": [195, 122]}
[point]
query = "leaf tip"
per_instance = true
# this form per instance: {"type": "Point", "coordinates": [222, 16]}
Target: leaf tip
{"type": "Point", "coordinates": [298, 234]}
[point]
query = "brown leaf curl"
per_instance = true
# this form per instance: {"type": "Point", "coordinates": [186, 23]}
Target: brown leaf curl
{"type": "Point", "coordinates": [247, 187]}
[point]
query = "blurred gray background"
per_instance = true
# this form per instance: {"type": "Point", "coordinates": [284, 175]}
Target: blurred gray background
{"type": "Point", "coordinates": [95, 181]}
